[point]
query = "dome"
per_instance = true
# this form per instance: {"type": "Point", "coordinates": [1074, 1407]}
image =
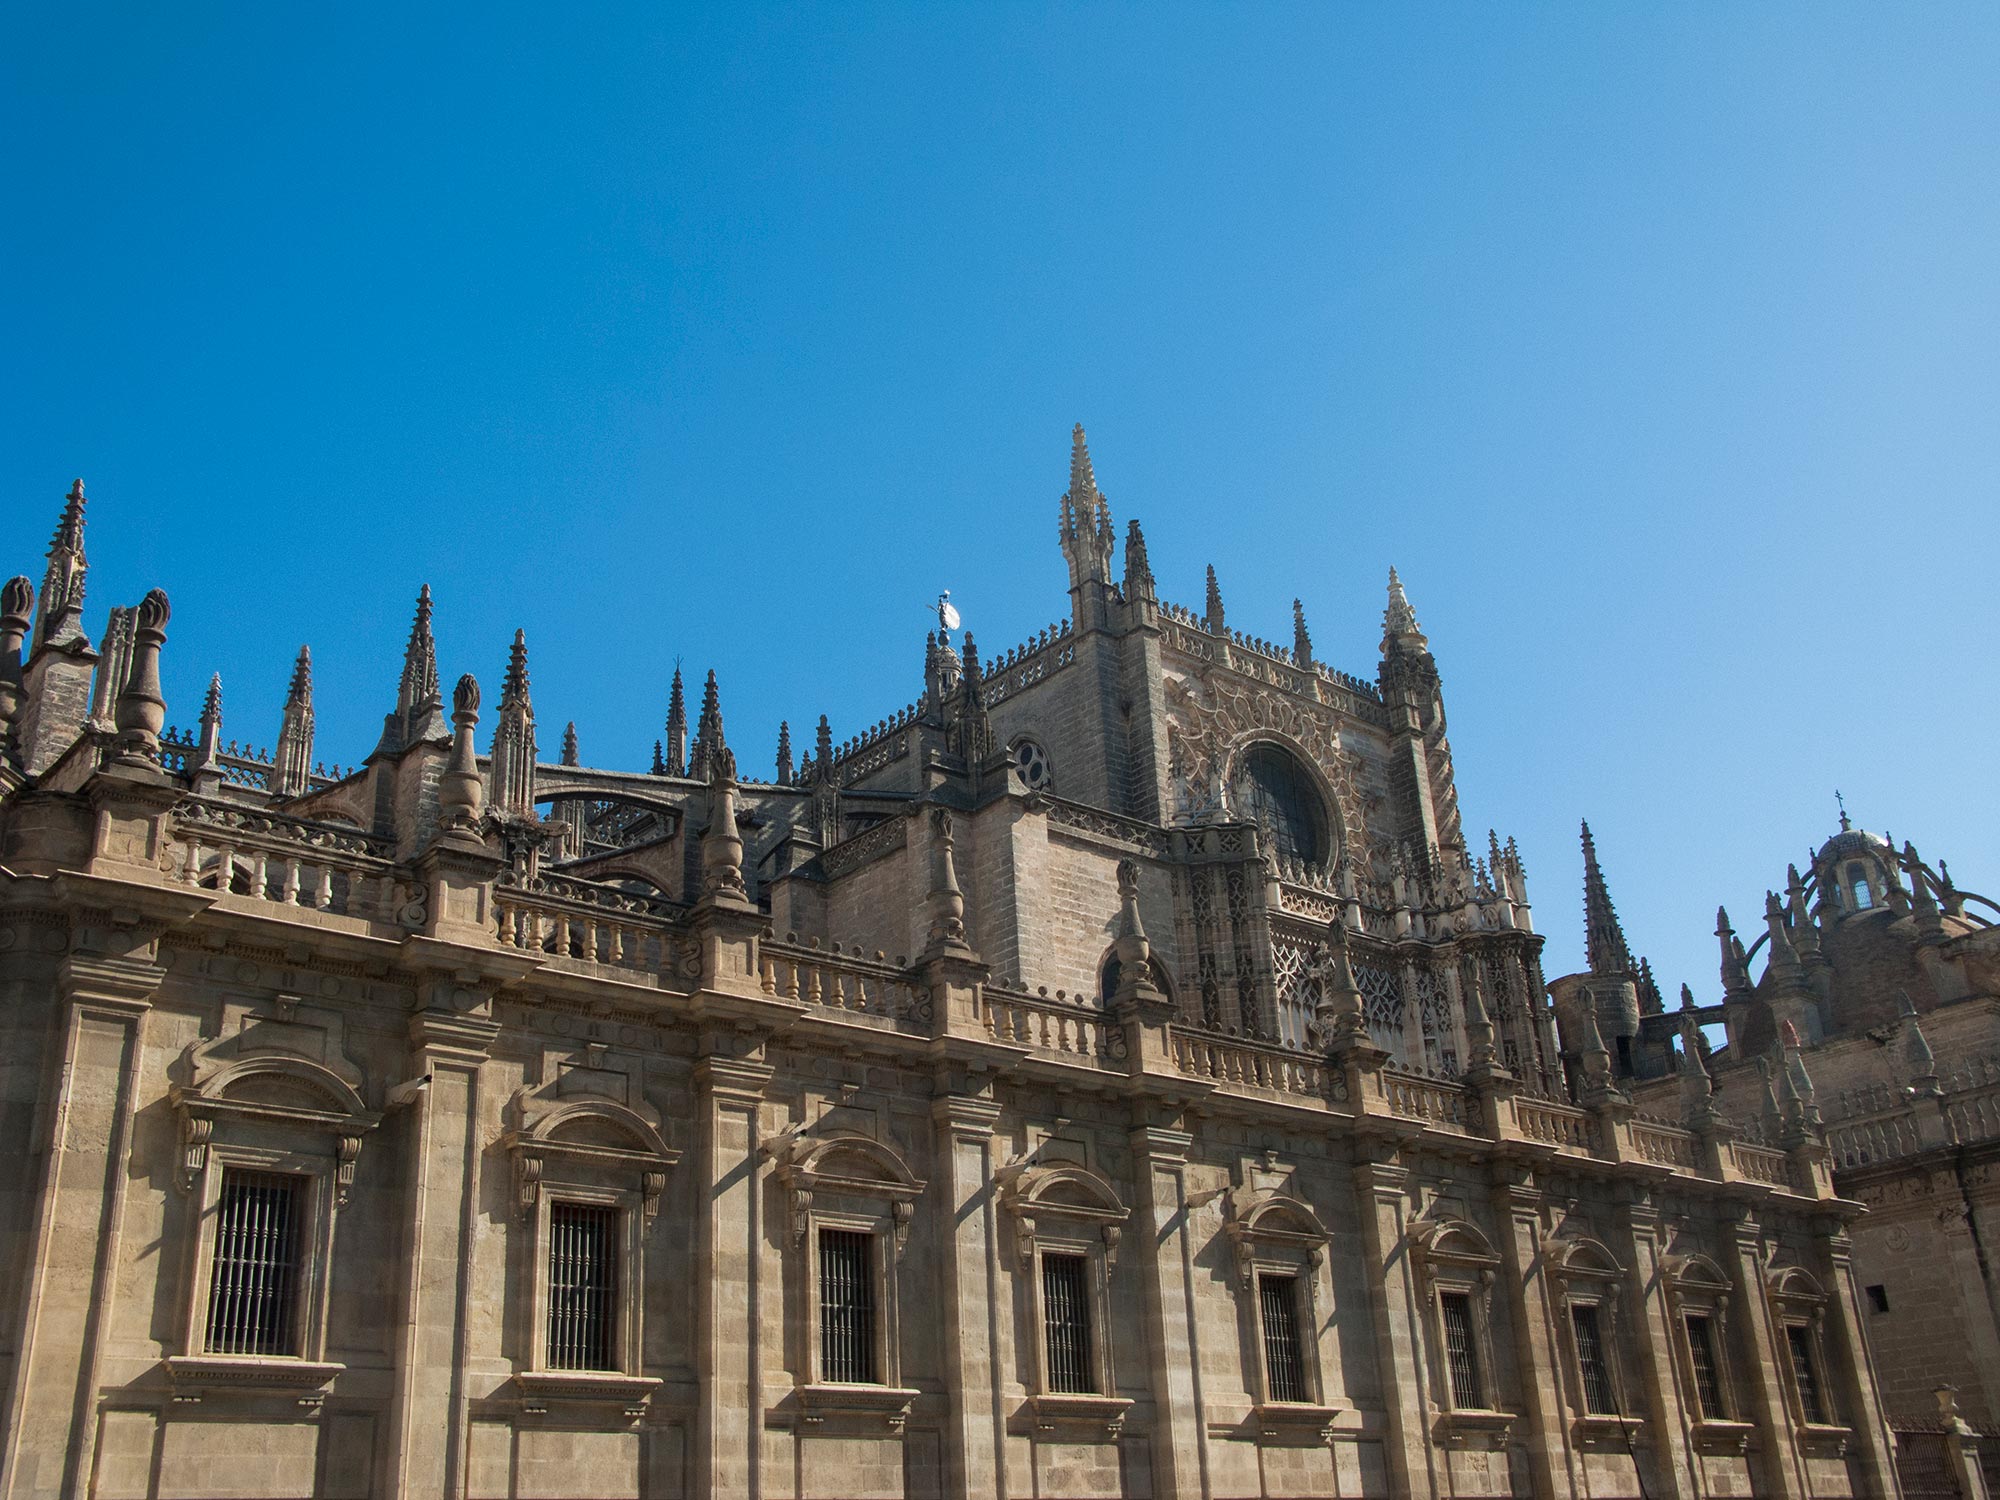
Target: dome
{"type": "Point", "coordinates": [1851, 841]}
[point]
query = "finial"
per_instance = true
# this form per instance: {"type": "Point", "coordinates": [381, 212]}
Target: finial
{"type": "Point", "coordinates": [17, 603]}
{"type": "Point", "coordinates": [1841, 803]}
{"type": "Point", "coordinates": [142, 711]}
{"type": "Point", "coordinates": [1399, 621]}
{"type": "Point", "coordinates": [515, 688]}
{"type": "Point", "coordinates": [460, 790]}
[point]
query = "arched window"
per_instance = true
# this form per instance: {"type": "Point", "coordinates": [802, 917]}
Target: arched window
{"type": "Point", "coordinates": [1278, 794]}
{"type": "Point", "coordinates": [1857, 882]}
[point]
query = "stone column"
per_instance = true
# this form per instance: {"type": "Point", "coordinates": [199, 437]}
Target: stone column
{"type": "Point", "coordinates": [1381, 1185]}
{"type": "Point", "coordinates": [1160, 1242]}
{"type": "Point", "coordinates": [1871, 1452]}
{"type": "Point", "coordinates": [429, 1419]}
{"type": "Point", "coordinates": [972, 1297]}
{"type": "Point", "coordinates": [1517, 1204]}
{"type": "Point", "coordinates": [86, 1122]}
{"type": "Point", "coordinates": [1753, 1354]}
{"type": "Point", "coordinates": [1638, 1230]}
{"type": "Point", "coordinates": [729, 1312]}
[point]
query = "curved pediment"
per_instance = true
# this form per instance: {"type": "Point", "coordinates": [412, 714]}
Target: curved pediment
{"type": "Point", "coordinates": [855, 1163]}
{"type": "Point", "coordinates": [1793, 1284]}
{"type": "Point", "coordinates": [1694, 1273]}
{"type": "Point", "coordinates": [597, 1124]}
{"type": "Point", "coordinates": [1580, 1255]}
{"type": "Point", "coordinates": [279, 1082]}
{"type": "Point", "coordinates": [1453, 1240]}
{"type": "Point", "coordinates": [1065, 1189]}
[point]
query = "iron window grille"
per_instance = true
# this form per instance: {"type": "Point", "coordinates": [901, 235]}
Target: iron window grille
{"type": "Point", "coordinates": [1805, 1373]}
{"type": "Point", "coordinates": [1599, 1399]}
{"type": "Point", "coordinates": [1461, 1352]}
{"type": "Point", "coordinates": [253, 1288]}
{"type": "Point", "coordinates": [1066, 1320]}
{"type": "Point", "coordinates": [583, 1287]}
{"type": "Point", "coordinates": [1284, 1355]}
{"type": "Point", "coordinates": [847, 1307]}
{"type": "Point", "coordinates": [1707, 1378]}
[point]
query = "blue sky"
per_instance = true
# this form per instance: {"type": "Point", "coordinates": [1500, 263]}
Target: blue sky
{"type": "Point", "coordinates": [1656, 346]}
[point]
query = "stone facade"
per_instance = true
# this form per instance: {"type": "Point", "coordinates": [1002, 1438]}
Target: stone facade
{"type": "Point", "coordinates": [1110, 1075]}
{"type": "Point", "coordinates": [1876, 1015]}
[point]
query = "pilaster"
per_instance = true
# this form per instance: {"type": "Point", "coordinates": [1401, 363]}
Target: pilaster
{"type": "Point", "coordinates": [977, 1330]}
{"type": "Point", "coordinates": [1757, 1352]}
{"type": "Point", "coordinates": [729, 1351]}
{"type": "Point", "coordinates": [85, 1134]}
{"type": "Point", "coordinates": [1871, 1452]}
{"type": "Point", "coordinates": [429, 1422]}
{"type": "Point", "coordinates": [1524, 1281]}
{"type": "Point", "coordinates": [1638, 1231]}
{"type": "Point", "coordinates": [1179, 1428]}
{"type": "Point", "coordinates": [1381, 1190]}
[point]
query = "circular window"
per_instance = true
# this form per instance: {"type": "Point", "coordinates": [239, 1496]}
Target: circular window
{"type": "Point", "coordinates": [1277, 793]}
{"type": "Point", "coordinates": [1033, 764]}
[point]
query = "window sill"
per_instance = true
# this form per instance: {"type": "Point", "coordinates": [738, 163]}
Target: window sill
{"type": "Point", "coordinates": [890, 1402]}
{"type": "Point", "coordinates": [1825, 1438]}
{"type": "Point", "coordinates": [194, 1375]}
{"type": "Point", "coordinates": [1466, 1423]}
{"type": "Point", "coordinates": [1288, 1418]}
{"type": "Point", "coordinates": [1605, 1424]}
{"type": "Point", "coordinates": [1052, 1411]}
{"type": "Point", "coordinates": [585, 1388]}
{"type": "Point", "coordinates": [1716, 1436]}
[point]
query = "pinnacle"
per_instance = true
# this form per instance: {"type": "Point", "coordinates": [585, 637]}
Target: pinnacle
{"type": "Point", "coordinates": [515, 688]}
{"type": "Point", "coordinates": [1082, 481]}
{"type": "Point", "coordinates": [69, 530]}
{"type": "Point", "coordinates": [211, 703]}
{"type": "Point", "coordinates": [302, 677]}
{"type": "Point", "coordinates": [1604, 939]}
{"type": "Point", "coordinates": [569, 752]}
{"type": "Point", "coordinates": [1399, 620]}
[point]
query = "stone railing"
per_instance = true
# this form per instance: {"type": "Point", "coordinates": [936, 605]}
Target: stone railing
{"type": "Point", "coordinates": [1042, 655]}
{"type": "Point", "coordinates": [292, 861]}
{"type": "Point", "coordinates": [1044, 1023]}
{"type": "Point", "coordinates": [850, 983]}
{"type": "Point", "coordinates": [1762, 1164]}
{"type": "Point", "coordinates": [1236, 1064]}
{"type": "Point", "coordinates": [1436, 1101]}
{"type": "Point", "coordinates": [1665, 1144]}
{"type": "Point", "coordinates": [573, 919]}
{"type": "Point", "coordinates": [1857, 1143]}
{"type": "Point", "coordinates": [1563, 1126]}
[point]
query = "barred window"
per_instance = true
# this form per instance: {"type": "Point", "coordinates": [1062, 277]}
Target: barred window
{"type": "Point", "coordinates": [1805, 1372]}
{"type": "Point", "coordinates": [1598, 1397]}
{"type": "Point", "coordinates": [1066, 1323]}
{"type": "Point", "coordinates": [847, 1306]}
{"type": "Point", "coordinates": [1284, 1355]}
{"type": "Point", "coordinates": [254, 1274]}
{"type": "Point", "coordinates": [1707, 1379]}
{"type": "Point", "coordinates": [1461, 1353]}
{"type": "Point", "coordinates": [583, 1286]}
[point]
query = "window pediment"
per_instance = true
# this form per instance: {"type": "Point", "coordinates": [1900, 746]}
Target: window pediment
{"type": "Point", "coordinates": [1580, 1257]}
{"type": "Point", "coordinates": [586, 1134]}
{"type": "Point", "coordinates": [855, 1166]}
{"type": "Point", "coordinates": [1272, 1226]}
{"type": "Point", "coordinates": [265, 1088]}
{"type": "Point", "coordinates": [1061, 1198]}
{"type": "Point", "coordinates": [1453, 1243]}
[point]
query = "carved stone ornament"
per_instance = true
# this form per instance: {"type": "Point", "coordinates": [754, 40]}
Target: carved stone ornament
{"type": "Point", "coordinates": [1060, 1198]}
{"type": "Point", "coordinates": [586, 1139]}
{"type": "Point", "coordinates": [263, 1070]}
{"type": "Point", "coordinates": [813, 1168]}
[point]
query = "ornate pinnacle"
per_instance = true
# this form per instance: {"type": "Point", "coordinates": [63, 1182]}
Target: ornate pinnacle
{"type": "Point", "coordinates": [211, 702]}
{"type": "Point", "coordinates": [69, 529]}
{"type": "Point", "coordinates": [1138, 568]}
{"type": "Point", "coordinates": [1082, 480]}
{"type": "Point", "coordinates": [515, 689]}
{"type": "Point", "coordinates": [569, 744]}
{"type": "Point", "coordinates": [1216, 620]}
{"type": "Point", "coordinates": [784, 752]}
{"type": "Point", "coordinates": [1399, 622]}
{"type": "Point", "coordinates": [659, 760]}
{"type": "Point", "coordinates": [59, 616]}
{"type": "Point", "coordinates": [1604, 939]}
{"type": "Point", "coordinates": [1302, 641]}
{"type": "Point", "coordinates": [677, 728]}
{"type": "Point", "coordinates": [301, 690]}
{"type": "Point", "coordinates": [823, 751]}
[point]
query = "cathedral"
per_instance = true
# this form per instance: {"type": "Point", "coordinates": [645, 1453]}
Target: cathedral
{"type": "Point", "coordinates": [1877, 1013]}
{"type": "Point", "coordinates": [1115, 1073]}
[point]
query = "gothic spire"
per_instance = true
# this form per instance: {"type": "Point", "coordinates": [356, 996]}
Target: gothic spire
{"type": "Point", "coordinates": [1138, 569]}
{"type": "Point", "coordinates": [59, 610]}
{"type": "Point", "coordinates": [1082, 479]}
{"type": "Point", "coordinates": [419, 711]}
{"type": "Point", "coordinates": [569, 744]}
{"type": "Point", "coordinates": [784, 752]}
{"type": "Point", "coordinates": [823, 751]}
{"type": "Point", "coordinates": [1604, 939]}
{"type": "Point", "coordinates": [1084, 528]}
{"type": "Point", "coordinates": [677, 728]}
{"type": "Point", "coordinates": [512, 766]}
{"type": "Point", "coordinates": [1302, 641]}
{"type": "Point", "coordinates": [708, 729]}
{"type": "Point", "coordinates": [291, 762]}
{"type": "Point", "coordinates": [659, 760]}
{"type": "Point", "coordinates": [1399, 622]}
{"type": "Point", "coordinates": [1212, 613]}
